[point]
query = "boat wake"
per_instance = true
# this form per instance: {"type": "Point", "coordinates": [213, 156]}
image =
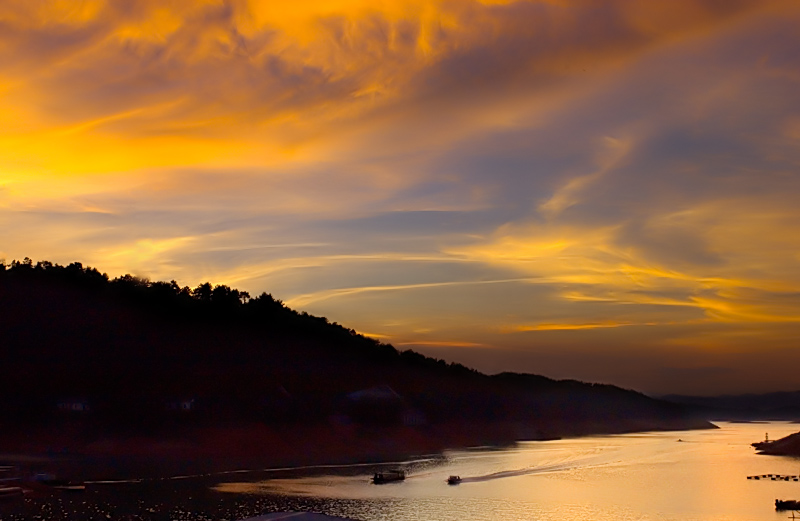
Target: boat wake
{"type": "Point", "coordinates": [562, 466]}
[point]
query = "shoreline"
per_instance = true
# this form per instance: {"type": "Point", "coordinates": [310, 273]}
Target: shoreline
{"type": "Point", "coordinates": [786, 446]}
{"type": "Point", "coordinates": [81, 455]}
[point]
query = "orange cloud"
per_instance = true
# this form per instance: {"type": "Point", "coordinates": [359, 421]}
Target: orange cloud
{"type": "Point", "coordinates": [249, 83]}
{"type": "Point", "coordinates": [572, 327]}
{"type": "Point", "coordinates": [442, 343]}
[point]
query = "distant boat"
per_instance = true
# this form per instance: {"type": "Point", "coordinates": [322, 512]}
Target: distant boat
{"type": "Point", "coordinates": [70, 487]}
{"type": "Point", "coordinates": [454, 480]}
{"type": "Point", "coordinates": [10, 492]}
{"type": "Point", "coordinates": [388, 476]}
{"type": "Point", "coordinates": [789, 504]}
{"type": "Point", "coordinates": [8, 476]}
{"type": "Point", "coordinates": [59, 484]}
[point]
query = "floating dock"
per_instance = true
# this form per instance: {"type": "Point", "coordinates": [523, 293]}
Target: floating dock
{"type": "Point", "coordinates": [775, 477]}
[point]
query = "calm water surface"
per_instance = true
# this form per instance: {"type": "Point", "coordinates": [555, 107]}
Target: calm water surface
{"type": "Point", "coordinates": [650, 476]}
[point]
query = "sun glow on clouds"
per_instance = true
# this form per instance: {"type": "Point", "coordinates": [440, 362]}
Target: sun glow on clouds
{"type": "Point", "coordinates": [479, 178]}
{"type": "Point", "coordinates": [568, 327]}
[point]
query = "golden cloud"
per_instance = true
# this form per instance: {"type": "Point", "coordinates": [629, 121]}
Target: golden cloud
{"type": "Point", "coordinates": [756, 281]}
{"type": "Point", "coordinates": [254, 83]}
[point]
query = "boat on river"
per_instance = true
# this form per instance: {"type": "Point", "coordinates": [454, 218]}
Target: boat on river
{"type": "Point", "coordinates": [50, 481]}
{"type": "Point", "coordinates": [70, 487]}
{"type": "Point", "coordinates": [388, 476]}
{"type": "Point", "coordinates": [454, 480]}
{"type": "Point", "coordinates": [788, 504]}
{"type": "Point", "coordinates": [11, 492]}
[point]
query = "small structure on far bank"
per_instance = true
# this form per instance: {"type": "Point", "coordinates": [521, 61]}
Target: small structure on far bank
{"type": "Point", "coordinates": [73, 405]}
{"type": "Point", "coordinates": [786, 446]}
{"type": "Point", "coordinates": [379, 405]}
{"type": "Point", "coordinates": [181, 404]}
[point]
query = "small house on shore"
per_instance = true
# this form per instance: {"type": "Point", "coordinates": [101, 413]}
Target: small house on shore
{"type": "Point", "coordinates": [181, 404]}
{"type": "Point", "coordinates": [379, 405]}
{"type": "Point", "coordinates": [73, 405]}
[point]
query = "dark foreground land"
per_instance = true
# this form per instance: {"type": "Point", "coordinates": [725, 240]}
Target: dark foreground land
{"type": "Point", "coordinates": [114, 378]}
{"type": "Point", "coordinates": [194, 499]}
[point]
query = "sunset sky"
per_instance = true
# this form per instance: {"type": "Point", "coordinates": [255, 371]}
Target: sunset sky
{"type": "Point", "coordinates": [606, 190]}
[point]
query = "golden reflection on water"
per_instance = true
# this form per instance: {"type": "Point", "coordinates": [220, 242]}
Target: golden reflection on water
{"type": "Point", "coordinates": [324, 486]}
{"type": "Point", "coordinates": [651, 476]}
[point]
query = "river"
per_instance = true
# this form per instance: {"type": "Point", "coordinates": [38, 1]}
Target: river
{"type": "Point", "coordinates": [664, 476]}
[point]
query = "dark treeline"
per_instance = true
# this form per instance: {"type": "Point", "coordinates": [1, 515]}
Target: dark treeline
{"type": "Point", "coordinates": [140, 354]}
{"type": "Point", "coordinates": [778, 406]}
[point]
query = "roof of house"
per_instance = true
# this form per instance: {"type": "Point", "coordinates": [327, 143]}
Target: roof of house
{"type": "Point", "coordinates": [380, 393]}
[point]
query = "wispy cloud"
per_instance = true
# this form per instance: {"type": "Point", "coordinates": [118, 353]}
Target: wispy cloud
{"type": "Point", "coordinates": [442, 343]}
{"type": "Point", "coordinates": [572, 327]}
{"type": "Point", "coordinates": [304, 300]}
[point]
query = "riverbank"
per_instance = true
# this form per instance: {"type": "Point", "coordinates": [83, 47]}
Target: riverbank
{"type": "Point", "coordinates": [786, 446]}
{"type": "Point", "coordinates": [604, 478]}
{"type": "Point", "coordinates": [76, 452]}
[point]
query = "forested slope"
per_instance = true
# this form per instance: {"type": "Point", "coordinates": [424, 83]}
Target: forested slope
{"type": "Point", "coordinates": [128, 348]}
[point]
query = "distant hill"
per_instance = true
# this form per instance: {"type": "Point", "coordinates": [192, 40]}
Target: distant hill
{"type": "Point", "coordinates": [131, 355]}
{"type": "Point", "coordinates": [768, 406]}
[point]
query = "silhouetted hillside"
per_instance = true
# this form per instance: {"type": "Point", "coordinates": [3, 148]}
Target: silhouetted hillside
{"type": "Point", "coordinates": [133, 355]}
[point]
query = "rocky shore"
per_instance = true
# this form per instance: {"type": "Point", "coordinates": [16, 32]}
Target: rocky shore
{"type": "Point", "coordinates": [786, 446]}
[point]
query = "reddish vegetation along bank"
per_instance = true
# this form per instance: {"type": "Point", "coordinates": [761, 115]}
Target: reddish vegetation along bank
{"type": "Point", "coordinates": [77, 451]}
{"type": "Point", "coordinates": [224, 448]}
